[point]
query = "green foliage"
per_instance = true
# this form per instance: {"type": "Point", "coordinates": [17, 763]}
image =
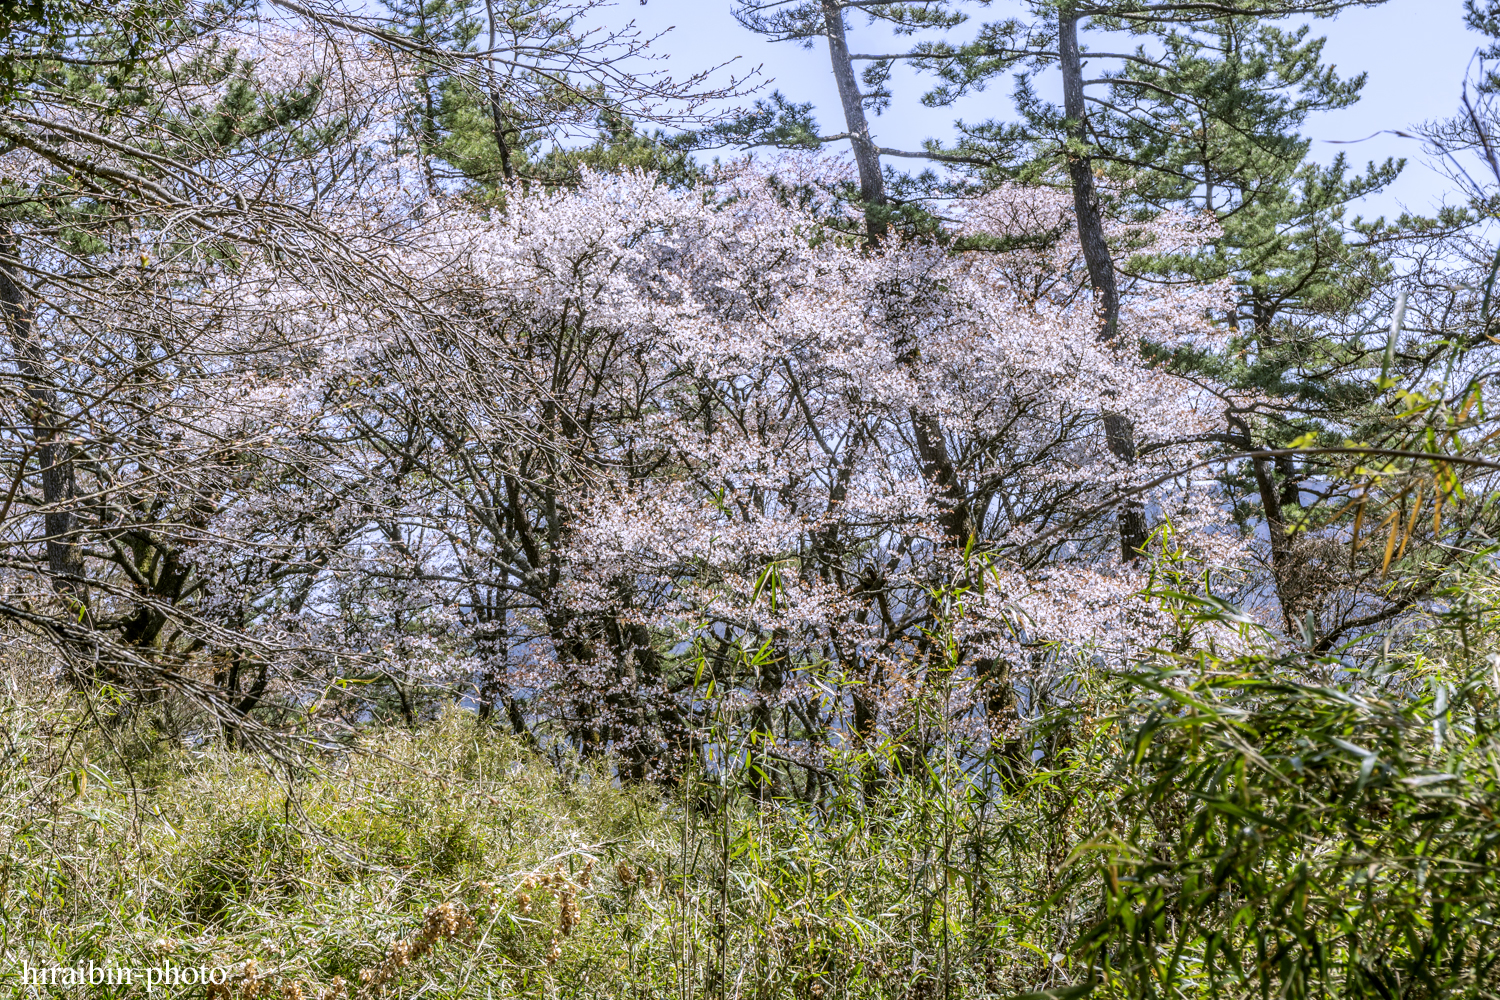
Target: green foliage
{"type": "Point", "coordinates": [1212, 124]}
{"type": "Point", "coordinates": [1227, 819]}
{"type": "Point", "coordinates": [315, 875]}
{"type": "Point", "coordinates": [468, 143]}
{"type": "Point", "coordinates": [1274, 834]}
{"type": "Point", "coordinates": [1205, 117]}
{"type": "Point", "coordinates": [99, 48]}
{"type": "Point", "coordinates": [773, 121]}
{"type": "Point", "coordinates": [1483, 16]}
{"type": "Point", "coordinates": [485, 127]}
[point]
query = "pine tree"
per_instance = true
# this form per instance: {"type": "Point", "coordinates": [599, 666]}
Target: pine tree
{"type": "Point", "coordinates": [495, 105]}
{"type": "Point", "coordinates": [779, 122]}
{"type": "Point", "coordinates": [1208, 118]}
{"type": "Point", "coordinates": [434, 28]}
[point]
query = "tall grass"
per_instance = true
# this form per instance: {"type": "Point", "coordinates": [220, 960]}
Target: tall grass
{"type": "Point", "coordinates": [1203, 825]}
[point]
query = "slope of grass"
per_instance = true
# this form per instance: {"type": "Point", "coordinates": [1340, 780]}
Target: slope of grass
{"type": "Point", "coordinates": [1215, 828]}
{"type": "Point", "coordinates": [212, 859]}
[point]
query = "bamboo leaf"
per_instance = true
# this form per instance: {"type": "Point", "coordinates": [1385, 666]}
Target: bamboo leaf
{"type": "Point", "coordinates": [1394, 520]}
{"type": "Point", "coordinates": [1411, 524]}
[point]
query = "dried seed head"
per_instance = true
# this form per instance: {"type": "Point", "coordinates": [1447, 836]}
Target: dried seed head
{"type": "Point", "coordinates": [249, 988]}
{"type": "Point", "coordinates": [567, 913]}
{"type": "Point", "coordinates": [442, 921]}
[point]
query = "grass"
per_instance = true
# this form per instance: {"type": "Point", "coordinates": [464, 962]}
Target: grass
{"type": "Point", "coordinates": [1224, 830]}
{"type": "Point", "coordinates": [557, 883]}
{"type": "Point", "coordinates": [219, 861]}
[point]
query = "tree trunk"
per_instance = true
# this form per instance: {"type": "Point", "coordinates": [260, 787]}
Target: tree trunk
{"type": "Point", "coordinates": [501, 143]}
{"type": "Point", "coordinates": [932, 450]}
{"type": "Point", "coordinates": [1081, 174]}
{"type": "Point", "coordinates": [59, 486]}
{"type": "Point", "coordinates": [866, 157]}
{"type": "Point", "coordinates": [497, 118]}
{"type": "Point", "coordinates": [1119, 431]}
{"type": "Point", "coordinates": [1290, 581]}
{"type": "Point", "coordinates": [956, 521]}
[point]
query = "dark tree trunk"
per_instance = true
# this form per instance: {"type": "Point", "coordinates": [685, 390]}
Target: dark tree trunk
{"type": "Point", "coordinates": [1118, 429]}
{"type": "Point", "coordinates": [1291, 492]}
{"type": "Point", "coordinates": [59, 485]}
{"type": "Point", "coordinates": [937, 467]}
{"type": "Point", "coordinates": [497, 117]}
{"type": "Point", "coordinates": [956, 521]}
{"type": "Point", "coordinates": [1008, 749]}
{"type": "Point", "coordinates": [238, 708]}
{"type": "Point", "coordinates": [1086, 205]}
{"type": "Point", "coordinates": [1290, 590]}
{"type": "Point", "coordinates": [866, 156]}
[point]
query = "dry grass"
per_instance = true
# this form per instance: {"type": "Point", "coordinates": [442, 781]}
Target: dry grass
{"type": "Point", "coordinates": [450, 856]}
{"type": "Point", "coordinates": [452, 861]}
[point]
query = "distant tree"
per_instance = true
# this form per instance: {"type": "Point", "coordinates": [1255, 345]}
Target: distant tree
{"type": "Point", "coordinates": [504, 91]}
{"type": "Point", "coordinates": [780, 122]}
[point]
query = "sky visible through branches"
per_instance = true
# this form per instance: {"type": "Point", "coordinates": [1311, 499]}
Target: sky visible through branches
{"type": "Point", "coordinates": [1415, 52]}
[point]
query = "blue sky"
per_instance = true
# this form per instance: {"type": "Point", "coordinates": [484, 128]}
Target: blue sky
{"type": "Point", "coordinates": [1415, 53]}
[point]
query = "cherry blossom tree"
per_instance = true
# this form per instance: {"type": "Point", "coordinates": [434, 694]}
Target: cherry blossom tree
{"type": "Point", "coordinates": [295, 435]}
{"type": "Point", "coordinates": [677, 429]}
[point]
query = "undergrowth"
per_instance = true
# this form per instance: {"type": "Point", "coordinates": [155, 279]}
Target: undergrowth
{"type": "Point", "coordinates": [453, 840]}
{"type": "Point", "coordinates": [1198, 826]}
